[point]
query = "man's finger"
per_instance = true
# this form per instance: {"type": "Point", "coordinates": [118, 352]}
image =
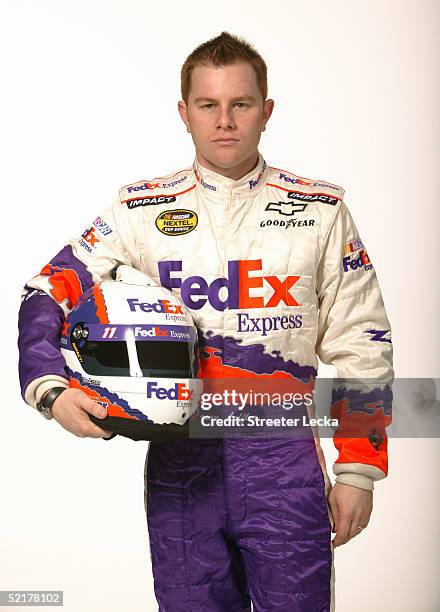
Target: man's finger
{"type": "Point", "coordinates": [340, 538]}
{"type": "Point", "coordinates": [355, 527]}
{"type": "Point", "coordinates": [342, 531]}
{"type": "Point", "coordinates": [93, 408]}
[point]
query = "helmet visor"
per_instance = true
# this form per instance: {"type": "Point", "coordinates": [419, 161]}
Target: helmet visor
{"type": "Point", "coordinates": [156, 359]}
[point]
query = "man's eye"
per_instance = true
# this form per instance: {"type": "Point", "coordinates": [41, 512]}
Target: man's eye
{"type": "Point", "coordinates": [211, 105]}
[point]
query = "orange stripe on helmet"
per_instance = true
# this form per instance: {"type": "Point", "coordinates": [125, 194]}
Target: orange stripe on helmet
{"type": "Point", "coordinates": [113, 410]}
{"type": "Point", "coordinates": [101, 308]}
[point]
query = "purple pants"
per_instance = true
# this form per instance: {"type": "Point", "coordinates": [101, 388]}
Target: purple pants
{"type": "Point", "coordinates": [234, 520]}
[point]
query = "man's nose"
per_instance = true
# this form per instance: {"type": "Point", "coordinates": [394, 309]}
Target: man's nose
{"type": "Point", "coordinates": [225, 117]}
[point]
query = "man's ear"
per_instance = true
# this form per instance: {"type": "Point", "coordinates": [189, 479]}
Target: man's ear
{"type": "Point", "coordinates": [181, 106]}
{"type": "Point", "coordinates": [267, 111]}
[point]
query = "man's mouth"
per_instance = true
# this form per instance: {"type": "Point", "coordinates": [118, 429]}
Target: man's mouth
{"type": "Point", "coordinates": [225, 141]}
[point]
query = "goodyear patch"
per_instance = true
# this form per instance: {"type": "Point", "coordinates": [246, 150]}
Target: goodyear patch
{"type": "Point", "coordinates": [176, 222]}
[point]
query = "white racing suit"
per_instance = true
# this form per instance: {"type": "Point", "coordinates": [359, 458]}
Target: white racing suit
{"type": "Point", "coordinates": [275, 273]}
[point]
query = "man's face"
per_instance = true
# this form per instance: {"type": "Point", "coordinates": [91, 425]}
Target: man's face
{"type": "Point", "coordinates": [225, 115]}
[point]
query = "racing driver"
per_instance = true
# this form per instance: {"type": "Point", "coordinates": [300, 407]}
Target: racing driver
{"type": "Point", "coordinates": [275, 274]}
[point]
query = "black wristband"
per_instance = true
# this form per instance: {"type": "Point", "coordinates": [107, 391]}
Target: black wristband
{"type": "Point", "coordinates": [45, 404]}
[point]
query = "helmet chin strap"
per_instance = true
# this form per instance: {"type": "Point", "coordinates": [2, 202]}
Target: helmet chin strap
{"type": "Point", "coordinates": [135, 368]}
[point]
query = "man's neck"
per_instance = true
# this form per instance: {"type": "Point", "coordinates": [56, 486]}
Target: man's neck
{"type": "Point", "coordinates": [236, 172]}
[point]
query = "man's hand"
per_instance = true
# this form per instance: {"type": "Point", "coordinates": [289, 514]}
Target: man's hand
{"type": "Point", "coordinates": [71, 409]}
{"type": "Point", "coordinates": [351, 508]}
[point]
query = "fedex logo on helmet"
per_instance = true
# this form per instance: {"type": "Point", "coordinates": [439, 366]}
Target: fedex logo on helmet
{"type": "Point", "coordinates": [179, 392]}
{"type": "Point", "coordinates": [195, 291]}
{"type": "Point", "coordinates": [143, 187]}
{"type": "Point", "coordinates": [162, 306]}
{"type": "Point", "coordinates": [363, 261]}
{"type": "Point", "coordinates": [155, 331]}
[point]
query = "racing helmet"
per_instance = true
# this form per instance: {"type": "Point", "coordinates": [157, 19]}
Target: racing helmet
{"type": "Point", "coordinates": [132, 346]}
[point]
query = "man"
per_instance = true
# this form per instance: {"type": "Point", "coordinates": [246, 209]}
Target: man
{"type": "Point", "coordinates": [273, 268]}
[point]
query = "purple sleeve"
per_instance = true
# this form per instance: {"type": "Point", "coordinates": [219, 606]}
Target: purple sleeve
{"type": "Point", "coordinates": [39, 325]}
{"type": "Point", "coordinates": [41, 316]}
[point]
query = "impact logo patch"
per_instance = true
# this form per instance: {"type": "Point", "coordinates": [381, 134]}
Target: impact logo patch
{"type": "Point", "coordinates": [176, 222]}
{"type": "Point", "coordinates": [149, 201]}
{"type": "Point", "coordinates": [313, 197]}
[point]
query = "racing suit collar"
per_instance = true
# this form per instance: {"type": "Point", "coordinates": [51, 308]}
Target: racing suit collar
{"type": "Point", "coordinates": [217, 184]}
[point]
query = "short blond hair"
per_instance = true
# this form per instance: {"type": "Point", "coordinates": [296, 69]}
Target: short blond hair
{"type": "Point", "coordinates": [223, 50]}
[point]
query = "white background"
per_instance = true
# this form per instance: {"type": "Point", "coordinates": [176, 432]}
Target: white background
{"type": "Point", "coordinates": [89, 103]}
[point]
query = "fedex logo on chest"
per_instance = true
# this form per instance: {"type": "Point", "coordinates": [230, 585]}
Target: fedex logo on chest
{"type": "Point", "coordinates": [243, 283]}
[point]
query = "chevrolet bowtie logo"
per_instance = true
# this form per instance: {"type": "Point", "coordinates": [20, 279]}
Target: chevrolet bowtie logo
{"type": "Point", "coordinates": [286, 208]}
